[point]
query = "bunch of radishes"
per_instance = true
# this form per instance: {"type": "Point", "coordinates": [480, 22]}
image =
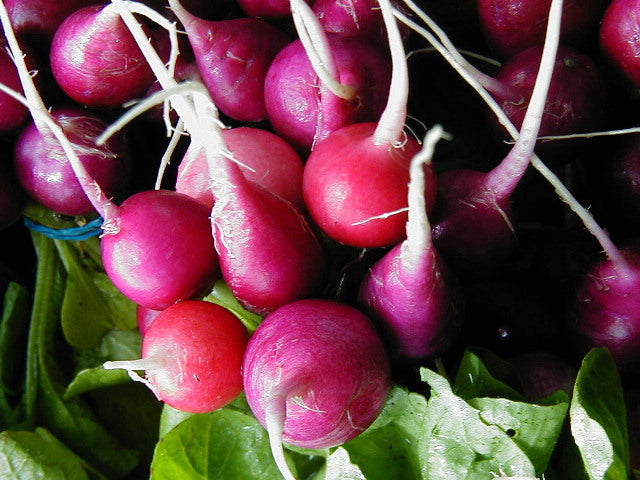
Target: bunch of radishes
{"type": "Point", "coordinates": [297, 182]}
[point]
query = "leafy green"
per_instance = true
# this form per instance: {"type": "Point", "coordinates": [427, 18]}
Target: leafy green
{"type": "Point", "coordinates": [598, 418]}
{"type": "Point", "coordinates": [26, 455]}
{"type": "Point", "coordinates": [473, 378]}
{"type": "Point", "coordinates": [222, 295]}
{"type": "Point", "coordinates": [220, 445]}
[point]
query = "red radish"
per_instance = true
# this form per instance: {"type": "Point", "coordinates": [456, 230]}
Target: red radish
{"type": "Point", "coordinates": [355, 180]}
{"type": "Point", "coordinates": [233, 57]}
{"type": "Point", "coordinates": [473, 228]}
{"type": "Point", "coordinates": [576, 98]}
{"type": "Point", "coordinates": [265, 159]}
{"type": "Point", "coordinates": [275, 9]}
{"type": "Point", "coordinates": [511, 26]}
{"type": "Point", "coordinates": [39, 19]}
{"type": "Point", "coordinates": [410, 291]}
{"type": "Point", "coordinates": [315, 375]}
{"type": "Point", "coordinates": [88, 72]}
{"type": "Point", "coordinates": [14, 113]}
{"type": "Point", "coordinates": [619, 39]}
{"type": "Point", "coordinates": [322, 82]}
{"type": "Point", "coordinates": [44, 171]}
{"type": "Point", "coordinates": [192, 355]}
{"type": "Point", "coordinates": [353, 18]}
{"type": "Point", "coordinates": [138, 248]}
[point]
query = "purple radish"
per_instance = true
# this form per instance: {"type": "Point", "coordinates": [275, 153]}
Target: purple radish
{"type": "Point", "coordinates": [233, 57]}
{"type": "Point", "coordinates": [275, 9]}
{"type": "Point", "coordinates": [410, 291]}
{"type": "Point", "coordinates": [39, 19]}
{"type": "Point", "coordinates": [44, 171]}
{"type": "Point", "coordinates": [542, 373]}
{"type": "Point", "coordinates": [605, 310]}
{"type": "Point", "coordinates": [315, 375]}
{"type": "Point", "coordinates": [511, 26]}
{"type": "Point", "coordinates": [90, 73]}
{"type": "Point", "coordinates": [619, 40]}
{"type": "Point", "coordinates": [322, 82]}
{"type": "Point", "coordinates": [156, 247]}
{"type": "Point", "coordinates": [265, 159]}
{"type": "Point", "coordinates": [355, 180]}
{"type": "Point", "coordinates": [14, 113]}
{"type": "Point", "coordinates": [473, 229]}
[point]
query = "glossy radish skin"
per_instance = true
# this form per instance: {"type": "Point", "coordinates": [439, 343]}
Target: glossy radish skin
{"type": "Point", "coordinates": [275, 9]}
{"type": "Point", "coordinates": [349, 180]}
{"type": "Point", "coordinates": [264, 157]}
{"type": "Point", "coordinates": [88, 72]}
{"type": "Point", "coordinates": [39, 19]}
{"type": "Point", "coordinates": [320, 368]}
{"type": "Point", "coordinates": [619, 40]}
{"type": "Point", "coordinates": [45, 173]}
{"type": "Point", "coordinates": [353, 18]}
{"type": "Point", "coordinates": [14, 113]}
{"type": "Point", "coordinates": [233, 57]}
{"type": "Point", "coordinates": [605, 311]}
{"type": "Point", "coordinates": [576, 98]}
{"type": "Point", "coordinates": [511, 26]}
{"type": "Point", "coordinates": [144, 317]}
{"type": "Point", "coordinates": [304, 114]}
{"type": "Point", "coordinates": [160, 249]}
{"type": "Point", "coordinates": [192, 355]}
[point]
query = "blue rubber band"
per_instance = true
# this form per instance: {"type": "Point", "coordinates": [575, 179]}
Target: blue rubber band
{"type": "Point", "coordinates": [91, 229]}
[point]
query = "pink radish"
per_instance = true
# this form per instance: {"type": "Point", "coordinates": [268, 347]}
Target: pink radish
{"type": "Point", "coordinates": [89, 73]}
{"type": "Point", "coordinates": [315, 375]}
{"type": "Point", "coordinates": [14, 113]}
{"type": "Point", "coordinates": [138, 248]}
{"type": "Point", "coordinates": [355, 180]}
{"type": "Point", "coordinates": [274, 9]}
{"type": "Point", "coordinates": [413, 295]}
{"type": "Point", "coordinates": [233, 57]}
{"type": "Point", "coordinates": [191, 354]}
{"type": "Point", "coordinates": [322, 82]}
{"type": "Point", "coordinates": [46, 174]}
{"type": "Point", "coordinates": [353, 18]}
{"type": "Point", "coordinates": [619, 40]}
{"type": "Point", "coordinates": [265, 159]}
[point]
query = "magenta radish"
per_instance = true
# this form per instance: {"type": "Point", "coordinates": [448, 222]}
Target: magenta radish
{"type": "Point", "coordinates": [511, 26]}
{"type": "Point", "coordinates": [192, 355]}
{"type": "Point", "coordinates": [355, 180]}
{"type": "Point", "coordinates": [473, 229]}
{"type": "Point", "coordinates": [322, 82]}
{"type": "Point", "coordinates": [576, 98]}
{"type": "Point", "coordinates": [88, 72]}
{"type": "Point", "coordinates": [44, 171]}
{"type": "Point", "coordinates": [264, 157]}
{"type": "Point", "coordinates": [144, 318]}
{"type": "Point", "coordinates": [353, 18]}
{"type": "Point", "coordinates": [14, 113]}
{"type": "Point", "coordinates": [233, 57]}
{"type": "Point", "coordinates": [409, 291]}
{"type": "Point", "coordinates": [274, 9]}
{"type": "Point", "coordinates": [619, 40]}
{"type": "Point", "coordinates": [38, 19]}
{"type": "Point", "coordinates": [315, 375]}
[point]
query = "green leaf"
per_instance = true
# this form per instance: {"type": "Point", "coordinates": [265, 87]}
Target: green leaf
{"type": "Point", "coordinates": [339, 466]}
{"type": "Point", "coordinates": [93, 378]}
{"type": "Point", "coordinates": [222, 295]}
{"type": "Point", "coordinates": [26, 455]}
{"type": "Point", "coordinates": [598, 418]}
{"type": "Point", "coordinates": [123, 310]}
{"type": "Point", "coordinates": [225, 444]}
{"type": "Point", "coordinates": [460, 444]}
{"type": "Point", "coordinates": [473, 379]}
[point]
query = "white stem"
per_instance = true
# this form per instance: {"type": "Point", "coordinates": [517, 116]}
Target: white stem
{"type": "Point", "coordinates": [391, 124]}
{"type": "Point", "coordinates": [178, 132]}
{"type": "Point", "coordinates": [316, 45]}
{"type": "Point", "coordinates": [587, 219]}
{"type": "Point", "coordinates": [274, 419]}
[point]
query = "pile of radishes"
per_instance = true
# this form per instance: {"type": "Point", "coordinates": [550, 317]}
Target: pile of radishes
{"type": "Point", "coordinates": [367, 178]}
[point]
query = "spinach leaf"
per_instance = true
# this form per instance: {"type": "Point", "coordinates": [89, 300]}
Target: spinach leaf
{"type": "Point", "coordinates": [220, 445]}
{"type": "Point", "coordinates": [26, 455]}
{"type": "Point", "coordinates": [598, 417]}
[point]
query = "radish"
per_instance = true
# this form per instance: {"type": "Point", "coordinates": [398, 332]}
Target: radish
{"type": "Point", "coordinates": [315, 375]}
{"type": "Point", "coordinates": [542, 373]}
{"type": "Point", "coordinates": [353, 18]}
{"type": "Point", "coordinates": [14, 113]}
{"type": "Point", "coordinates": [265, 159]}
{"type": "Point", "coordinates": [233, 57]}
{"type": "Point", "coordinates": [619, 38]}
{"type": "Point", "coordinates": [410, 291]}
{"type": "Point", "coordinates": [191, 354]}
{"type": "Point", "coordinates": [473, 227]}
{"type": "Point", "coordinates": [355, 180]}
{"type": "Point", "coordinates": [144, 317]}
{"type": "Point", "coordinates": [511, 26]}
{"type": "Point", "coordinates": [88, 72]}
{"type": "Point", "coordinates": [44, 171]}
{"type": "Point", "coordinates": [274, 9]}
{"type": "Point", "coordinates": [138, 250]}
{"type": "Point", "coordinates": [322, 82]}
